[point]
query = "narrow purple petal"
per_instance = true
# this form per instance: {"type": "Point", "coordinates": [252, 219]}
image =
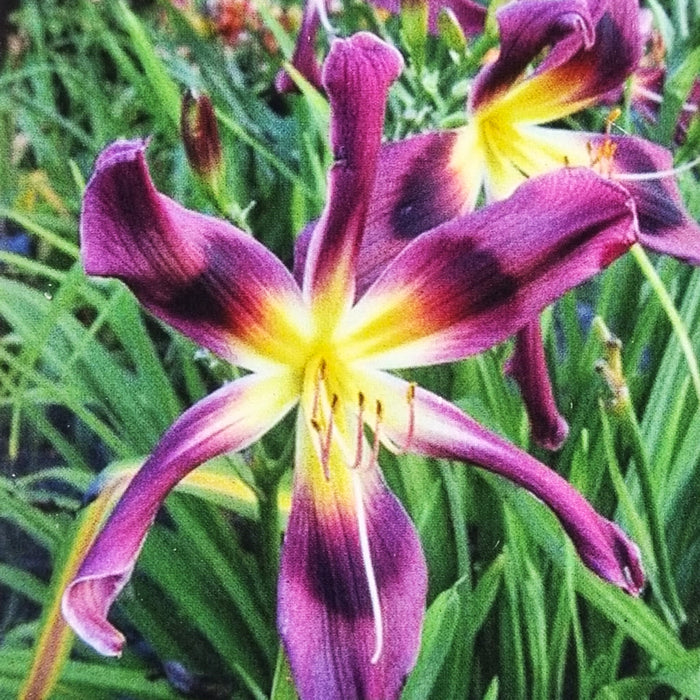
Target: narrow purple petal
{"type": "Point", "coordinates": [528, 367]}
{"type": "Point", "coordinates": [325, 610]}
{"type": "Point", "coordinates": [357, 75]}
{"type": "Point", "coordinates": [440, 429]}
{"type": "Point", "coordinates": [474, 281]}
{"type": "Point", "coordinates": [206, 278]}
{"type": "Point", "coordinates": [227, 420]}
{"type": "Point", "coordinates": [304, 56]}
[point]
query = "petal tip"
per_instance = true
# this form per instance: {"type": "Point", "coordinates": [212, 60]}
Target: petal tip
{"type": "Point", "coordinates": [120, 151]}
{"type": "Point", "coordinates": [633, 577]}
{"type": "Point", "coordinates": [386, 59]}
{"type": "Point", "coordinates": [553, 436]}
{"type": "Point", "coordinates": [618, 561]}
{"type": "Point", "coordinates": [84, 606]}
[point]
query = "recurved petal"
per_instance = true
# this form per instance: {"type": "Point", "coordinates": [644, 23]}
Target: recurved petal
{"type": "Point", "coordinates": [337, 644]}
{"type": "Point", "coordinates": [594, 49]}
{"type": "Point", "coordinates": [472, 282]}
{"type": "Point", "coordinates": [528, 367]}
{"type": "Point", "coordinates": [206, 278]}
{"type": "Point", "coordinates": [357, 75]}
{"type": "Point", "coordinates": [525, 29]}
{"type": "Point", "coordinates": [437, 428]}
{"type": "Point", "coordinates": [229, 419]}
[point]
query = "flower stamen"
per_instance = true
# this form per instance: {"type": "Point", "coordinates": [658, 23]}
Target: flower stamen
{"type": "Point", "coordinates": [656, 174]}
{"type": "Point", "coordinates": [320, 378]}
{"type": "Point", "coordinates": [610, 120]}
{"type": "Point", "coordinates": [410, 397]}
{"type": "Point", "coordinates": [325, 438]}
{"type": "Point", "coordinates": [377, 425]}
{"type": "Point", "coordinates": [602, 156]}
{"type": "Point", "coordinates": [369, 569]}
{"type": "Point", "coordinates": [360, 431]}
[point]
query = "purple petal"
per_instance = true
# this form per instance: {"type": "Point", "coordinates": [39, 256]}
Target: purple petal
{"type": "Point", "coordinates": [436, 428]}
{"type": "Point", "coordinates": [304, 56]}
{"type": "Point", "coordinates": [474, 281]}
{"type": "Point", "coordinates": [525, 29]}
{"type": "Point", "coordinates": [206, 278]}
{"type": "Point", "coordinates": [357, 75]}
{"type": "Point", "coordinates": [664, 224]}
{"type": "Point", "coordinates": [528, 367]}
{"type": "Point", "coordinates": [229, 419]}
{"type": "Point", "coordinates": [326, 615]}
{"type": "Point", "coordinates": [595, 47]}
{"type": "Point", "coordinates": [415, 190]}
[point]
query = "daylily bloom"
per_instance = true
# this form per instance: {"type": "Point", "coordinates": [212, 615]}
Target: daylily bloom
{"type": "Point", "coordinates": [469, 14]}
{"type": "Point", "coordinates": [353, 578]}
{"type": "Point", "coordinates": [428, 179]}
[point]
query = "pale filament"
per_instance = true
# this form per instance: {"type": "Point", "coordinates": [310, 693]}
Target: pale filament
{"type": "Point", "coordinates": [326, 442]}
{"type": "Point", "coordinates": [658, 174]}
{"type": "Point", "coordinates": [320, 378]}
{"type": "Point", "coordinates": [369, 569]}
{"type": "Point", "coordinates": [323, 428]}
{"type": "Point", "coordinates": [377, 425]}
{"type": "Point", "coordinates": [360, 431]}
{"type": "Point", "coordinates": [411, 398]}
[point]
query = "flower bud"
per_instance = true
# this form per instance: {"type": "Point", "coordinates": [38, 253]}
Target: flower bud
{"type": "Point", "coordinates": [200, 136]}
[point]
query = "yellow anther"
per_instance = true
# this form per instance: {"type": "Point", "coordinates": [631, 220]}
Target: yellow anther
{"type": "Point", "coordinates": [612, 117]}
{"type": "Point", "coordinates": [602, 156]}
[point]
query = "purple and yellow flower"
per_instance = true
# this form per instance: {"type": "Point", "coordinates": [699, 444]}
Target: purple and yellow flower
{"type": "Point", "coordinates": [590, 48]}
{"type": "Point", "coordinates": [353, 579]}
{"type": "Point", "coordinates": [469, 14]}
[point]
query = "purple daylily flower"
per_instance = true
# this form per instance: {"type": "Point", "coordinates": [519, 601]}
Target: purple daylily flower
{"type": "Point", "coordinates": [353, 579]}
{"type": "Point", "coordinates": [593, 46]}
{"type": "Point", "coordinates": [470, 15]}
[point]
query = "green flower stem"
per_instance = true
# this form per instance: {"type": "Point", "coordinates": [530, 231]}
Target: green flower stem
{"type": "Point", "coordinates": [268, 474]}
{"type": "Point", "coordinates": [623, 409]}
{"type": "Point", "coordinates": [652, 276]}
{"type": "Point", "coordinates": [641, 458]}
{"type": "Point", "coordinates": [270, 533]}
